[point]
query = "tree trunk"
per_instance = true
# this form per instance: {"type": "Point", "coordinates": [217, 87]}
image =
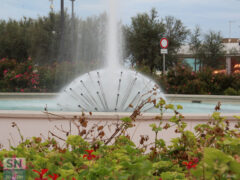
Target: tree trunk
{"type": "Point", "coordinates": [151, 69]}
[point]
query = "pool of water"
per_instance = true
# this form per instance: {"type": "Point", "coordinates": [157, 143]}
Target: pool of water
{"type": "Point", "coordinates": [50, 104]}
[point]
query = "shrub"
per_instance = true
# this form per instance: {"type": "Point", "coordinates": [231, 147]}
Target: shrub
{"type": "Point", "coordinates": [231, 91]}
{"type": "Point", "coordinates": [18, 76]}
{"type": "Point", "coordinates": [26, 77]}
{"type": "Point", "coordinates": [211, 152]}
{"type": "Point", "coordinates": [181, 80]}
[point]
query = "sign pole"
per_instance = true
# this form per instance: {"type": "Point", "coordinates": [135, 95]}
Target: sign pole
{"type": "Point", "coordinates": [164, 50]}
{"type": "Point", "coordinates": [163, 64]}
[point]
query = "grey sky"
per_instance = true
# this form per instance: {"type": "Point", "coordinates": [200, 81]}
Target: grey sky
{"type": "Point", "coordinates": [208, 14]}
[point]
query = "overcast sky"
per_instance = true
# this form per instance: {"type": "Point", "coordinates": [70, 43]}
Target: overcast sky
{"type": "Point", "coordinates": [208, 14]}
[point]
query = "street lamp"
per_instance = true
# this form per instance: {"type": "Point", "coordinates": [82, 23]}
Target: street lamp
{"type": "Point", "coordinates": [51, 6]}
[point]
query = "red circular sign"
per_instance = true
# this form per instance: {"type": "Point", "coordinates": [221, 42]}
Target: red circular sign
{"type": "Point", "coordinates": [164, 43]}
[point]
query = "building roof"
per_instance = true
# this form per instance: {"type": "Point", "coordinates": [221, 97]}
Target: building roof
{"type": "Point", "coordinates": [231, 47]}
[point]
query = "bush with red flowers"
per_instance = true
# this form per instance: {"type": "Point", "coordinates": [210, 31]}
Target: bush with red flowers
{"type": "Point", "coordinates": [18, 77]}
{"type": "Point", "coordinates": [28, 77]}
{"type": "Point", "coordinates": [182, 80]}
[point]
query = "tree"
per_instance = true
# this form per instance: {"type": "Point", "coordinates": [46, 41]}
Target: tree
{"type": "Point", "coordinates": [14, 39]}
{"type": "Point", "coordinates": [144, 34]}
{"type": "Point", "coordinates": [195, 44]}
{"type": "Point", "coordinates": [211, 50]}
{"type": "Point", "coordinates": [45, 39]}
{"type": "Point", "coordinates": [142, 38]}
{"type": "Point", "coordinates": [41, 38]}
{"type": "Point", "coordinates": [176, 34]}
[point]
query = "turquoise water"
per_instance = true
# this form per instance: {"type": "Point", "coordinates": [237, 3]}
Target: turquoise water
{"type": "Point", "coordinates": [50, 104]}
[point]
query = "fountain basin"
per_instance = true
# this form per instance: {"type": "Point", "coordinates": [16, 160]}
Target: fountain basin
{"type": "Point", "coordinates": [38, 101]}
{"type": "Point", "coordinates": [36, 123]}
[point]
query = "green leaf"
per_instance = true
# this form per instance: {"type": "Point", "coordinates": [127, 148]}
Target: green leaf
{"type": "Point", "coordinates": [153, 125]}
{"type": "Point", "coordinates": [160, 143]}
{"type": "Point", "coordinates": [179, 107]}
{"type": "Point", "coordinates": [235, 167]}
{"type": "Point", "coordinates": [169, 106]}
{"type": "Point", "coordinates": [237, 117]}
{"type": "Point", "coordinates": [172, 176]}
{"type": "Point", "coordinates": [174, 119]}
{"type": "Point", "coordinates": [126, 119]}
{"type": "Point", "coordinates": [155, 128]}
{"type": "Point", "coordinates": [162, 102]}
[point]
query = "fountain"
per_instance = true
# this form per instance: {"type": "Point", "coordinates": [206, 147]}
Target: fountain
{"type": "Point", "coordinates": [113, 89]}
{"type": "Point", "coordinates": [108, 91]}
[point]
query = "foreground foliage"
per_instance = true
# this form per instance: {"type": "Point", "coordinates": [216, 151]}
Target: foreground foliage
{"type": "Point", "coordinates": [212, 152]}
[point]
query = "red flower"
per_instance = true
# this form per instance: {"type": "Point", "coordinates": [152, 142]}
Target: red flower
{"type": "Point", "coordinates": [195, 160]}
{"type": "Point", "coordinates": [1, 165]}
{"type": "Point", "coordinates": [43, 171]}
{"type": "Point", "coordinates": [89, 156]}
{"type": "Point", "coordinates": [18, 75]}
{"type": "Point", "coordinates": [22, 90]}
{"type": "Point", "coordinates": [33, 81]}
{"type": "Point", "coordinates": [5, 72]}
{"type": "Point", "coordinates": [3, 59]}
{"type": "Point", "coordinates": [191, 164]}
{"type": "Point", "coordinates": [30, 67]}
{"type": "Point", "coordinates": [54, 176]}
{"type": "Point", "coordinates": [74, 178]}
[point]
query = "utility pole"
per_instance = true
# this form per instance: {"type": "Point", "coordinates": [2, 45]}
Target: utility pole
{"type": "Point", "coordinates": [73, 32]}
{"type": "Point", "coordinates": [51, 5]}
{"type": "Point", "coordinates": [228, 58]}
{"type": "Point", "coordinates": [62, 15]}
{"type": "Point", "coordinates": [230, 30]}
{"type": "Point", "coordinates": [239, 40]}
{"type": "Point", "coordinates": [72, 9]}
{"type": "Point", "coordinates": [61, 50]}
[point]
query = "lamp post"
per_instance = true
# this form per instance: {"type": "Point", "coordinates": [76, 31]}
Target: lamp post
{"type": "Point", "coordinates": [51, 5]}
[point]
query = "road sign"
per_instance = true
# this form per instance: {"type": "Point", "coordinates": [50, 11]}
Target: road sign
{"type": "Point", "coordinates": [164, 43]}
{"type": "Point", "coordinates": [164, 51]}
